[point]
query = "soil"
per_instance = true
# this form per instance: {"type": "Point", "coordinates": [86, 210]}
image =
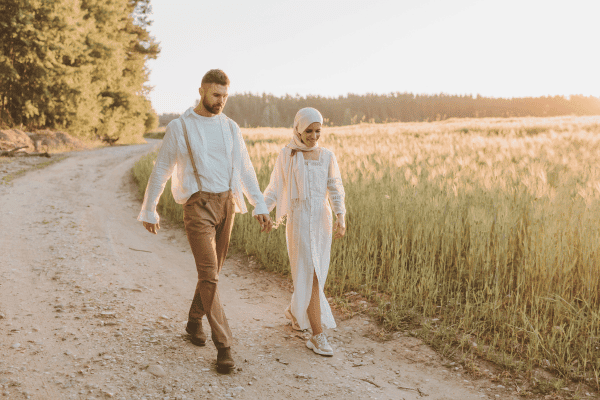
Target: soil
{"type": "Point", "coordinates": [42, 140]}
{"type": "Point", "coordinates": [93, 306]}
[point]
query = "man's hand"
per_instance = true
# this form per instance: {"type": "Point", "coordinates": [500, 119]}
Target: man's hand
{"type": "Point", "coordinates": [152, 228]}
{"type": "Point", "coordinates": [265, 222]}
{"type": "Point", "coordinates": [340, 226]}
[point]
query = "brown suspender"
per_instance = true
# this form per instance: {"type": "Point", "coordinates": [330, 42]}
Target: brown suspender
{"type": "Point", "coordinates": [187, 142]}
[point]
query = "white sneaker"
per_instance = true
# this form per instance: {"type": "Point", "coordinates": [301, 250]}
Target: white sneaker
{"type": "Point", "coordinates": [290, 316]}
{"type": "Point", "coordinates": [319, 345]}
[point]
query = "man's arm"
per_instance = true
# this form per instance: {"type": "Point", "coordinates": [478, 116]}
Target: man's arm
{"type": "Point", "coordinates": [250, 185]}
{"type": "Point", "coordinates": [162, 171]}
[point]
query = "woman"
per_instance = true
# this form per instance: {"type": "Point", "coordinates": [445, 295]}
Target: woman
{"type": "Point", "coordinates": [305, 181]}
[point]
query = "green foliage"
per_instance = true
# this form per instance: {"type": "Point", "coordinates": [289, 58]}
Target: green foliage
{"type": "Point", "coordinates": [165, 118]}
{"type": "Point", "coordinates": [151, 122]}
{"type": "Point", "coordinates": [76, 65]}
{"type": "Point", "coordinates": [254, 110]}
{"type": "Point", "coordinates": [159, 133]}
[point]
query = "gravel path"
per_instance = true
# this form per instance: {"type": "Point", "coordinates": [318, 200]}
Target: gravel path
{"type": "Point", "coordinates": [92, 306]}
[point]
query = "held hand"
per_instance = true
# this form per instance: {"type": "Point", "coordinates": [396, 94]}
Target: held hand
{"type": "Point", "coordinates": [265, 222]}
{"type": "Point", "coordinates": [152, 228]}
{"type": "Point", "coordinates": [339, 227]}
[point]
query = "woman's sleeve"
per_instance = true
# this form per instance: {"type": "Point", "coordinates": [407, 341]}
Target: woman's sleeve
{"type": "Point", "coordinates": [335, 188]}
{"type": "Point", "coordinates": [276, 183]}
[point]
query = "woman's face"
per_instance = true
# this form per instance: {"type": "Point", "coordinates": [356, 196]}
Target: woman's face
{"type": "Point", "coordinates": [311, 134]}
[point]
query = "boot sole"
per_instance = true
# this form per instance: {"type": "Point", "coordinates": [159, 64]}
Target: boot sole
{"type": "Point", "coordinates": [198, 343]}
{"type": "Point", "coordinates": [225, 369]}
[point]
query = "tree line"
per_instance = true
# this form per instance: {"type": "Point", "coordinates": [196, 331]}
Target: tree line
{"type": "Point", "coordinates": [253, 110]}
{"type": "Point", "coordinates": [78, 66]}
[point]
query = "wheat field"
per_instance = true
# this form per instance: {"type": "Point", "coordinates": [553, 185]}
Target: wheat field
{"type": "Point", "coordinates": [478, 234]}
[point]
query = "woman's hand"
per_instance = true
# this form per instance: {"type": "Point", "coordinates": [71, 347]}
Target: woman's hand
{"type": "Point", "coordinates": [340, 226]}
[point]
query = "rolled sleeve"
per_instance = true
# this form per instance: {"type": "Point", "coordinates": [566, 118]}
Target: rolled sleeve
{"type": "Point", "coordinates": [149, 216]}
{"type": "Point", "coordinates": [261, 208]}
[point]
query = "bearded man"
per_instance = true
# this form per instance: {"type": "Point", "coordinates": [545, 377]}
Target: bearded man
{"type": "Point", "coordinates": [204, 153]}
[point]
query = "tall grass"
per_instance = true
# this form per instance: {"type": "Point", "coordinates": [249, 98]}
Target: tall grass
{"type": "Point", "coordinates": [486, 230]}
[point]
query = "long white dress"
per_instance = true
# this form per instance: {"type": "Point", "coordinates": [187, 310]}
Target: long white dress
{"type": "Point", "coordinates": [309, 227]}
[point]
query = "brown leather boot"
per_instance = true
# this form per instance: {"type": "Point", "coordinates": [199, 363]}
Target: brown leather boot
{"type": "Point", "coordinates": [197, 335]}
{"type": "Point", "coordinates": [225, 362]}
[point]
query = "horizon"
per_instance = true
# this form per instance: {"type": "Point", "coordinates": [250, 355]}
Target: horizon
{"type": "Point", "coordinates": [508, 49]}
{"type": "Point", "coordinates": [567, 97]}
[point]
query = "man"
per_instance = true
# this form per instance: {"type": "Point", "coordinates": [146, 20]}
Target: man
{"type": "Point", "coordinates": [210, 193]}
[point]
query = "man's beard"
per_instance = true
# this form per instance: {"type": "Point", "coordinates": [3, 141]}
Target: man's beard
{"type": "Point", "coordinates": [214, 109]}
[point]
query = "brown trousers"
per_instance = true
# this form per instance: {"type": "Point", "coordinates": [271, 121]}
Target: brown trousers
{"type": "Point", "coordinates": [208, 219]}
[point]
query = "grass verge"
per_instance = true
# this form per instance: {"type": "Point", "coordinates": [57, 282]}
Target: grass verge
{"type": "Point", "coordinates": [480, 236]}
{"type": "Point", "coordinates": [13, 175]}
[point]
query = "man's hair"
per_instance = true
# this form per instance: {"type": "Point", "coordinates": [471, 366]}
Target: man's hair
{"type": "Point", "coordinates": [215, 76]}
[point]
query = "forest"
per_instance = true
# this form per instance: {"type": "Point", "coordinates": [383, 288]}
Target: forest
{"type": "Point", "coordinates": [253, 110]}
{"type": "Point", "coordinates": [78, 66]}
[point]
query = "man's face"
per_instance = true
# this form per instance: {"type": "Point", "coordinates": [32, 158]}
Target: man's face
{"type": "Point", "coordinates": [214, 97]}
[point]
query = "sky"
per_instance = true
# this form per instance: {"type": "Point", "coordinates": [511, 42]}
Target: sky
{"type": "Point", "coordinates": [507, 48]}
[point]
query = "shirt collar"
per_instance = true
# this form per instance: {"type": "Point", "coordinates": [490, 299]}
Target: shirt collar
{"type": "Point", "coordinates": [190, 113]}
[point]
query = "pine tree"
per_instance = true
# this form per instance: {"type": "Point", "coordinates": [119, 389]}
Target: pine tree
{"type": "Point", "coordinates": [77, 65]}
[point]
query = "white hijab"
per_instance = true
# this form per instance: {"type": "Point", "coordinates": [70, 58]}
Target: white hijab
{"type": "Point", "coordinates": [293, 188]}
{"type": "Point", "coordinates": [303, 119]}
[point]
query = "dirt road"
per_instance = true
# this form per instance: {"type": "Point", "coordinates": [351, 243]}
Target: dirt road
{"type": "Point", "coordinates": [92, 306]}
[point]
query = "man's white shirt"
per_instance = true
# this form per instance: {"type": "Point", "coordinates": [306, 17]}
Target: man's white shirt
{"type": "Point", "coordinates": [216, 178]}
{"type": "Point", "coordinates": [221, 158]}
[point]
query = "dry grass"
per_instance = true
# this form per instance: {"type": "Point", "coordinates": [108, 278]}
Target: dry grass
{"type": "Point", "coordinates": [484, 232]}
